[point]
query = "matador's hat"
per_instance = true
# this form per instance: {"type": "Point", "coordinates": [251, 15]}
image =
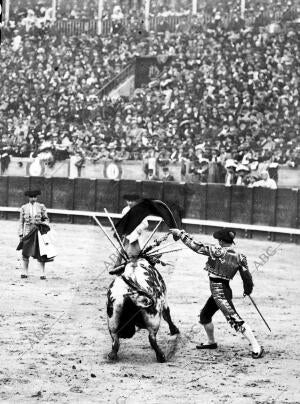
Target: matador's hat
{"type": "Point", "coordinates": [225, 234]}
{"type": "Point", "coordinates": [32, 193]}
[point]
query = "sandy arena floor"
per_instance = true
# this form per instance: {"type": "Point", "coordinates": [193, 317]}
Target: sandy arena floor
{"type": "Point", "coordinates": [54, 337]}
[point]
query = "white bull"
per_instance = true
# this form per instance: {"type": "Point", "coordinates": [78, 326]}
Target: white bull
{"type": "Point", "coordinates": [137, 299]}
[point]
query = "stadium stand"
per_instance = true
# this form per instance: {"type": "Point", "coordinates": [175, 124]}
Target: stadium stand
{"type": "Point", "coordinates": [227, 104]}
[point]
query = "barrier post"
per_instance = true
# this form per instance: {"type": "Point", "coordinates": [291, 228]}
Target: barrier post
{"type": "Point", "coordinates": [194, 7]}
{"type": "Point", "coordinates": [100, 15]}
{"type": "Point", "coordinates": [147, 13]}
{"type": "Point", "coordinates": [243, 7]}
{"type": "Point", "coordinates": [7, 10]}
{"type": "Point", "coordinates": [54, 5]}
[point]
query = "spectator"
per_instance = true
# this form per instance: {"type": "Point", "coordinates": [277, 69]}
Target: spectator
{"type": "Point", "coordinates": [242, 172]}
{"type": "Point", "coordinates": [166, 175]}
{"type": "Point", "coordinates": [230, 178]}
{"type": "Point", "coordinates": [266, 181]}
{"type": "Point", "coordinates": [151, 176]}
{"type": "Point", "coordinates": [227, 91]}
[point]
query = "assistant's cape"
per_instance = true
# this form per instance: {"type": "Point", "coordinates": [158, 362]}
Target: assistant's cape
{"type": "Point", "coordinates": [30, 243]}
{"type": "Point", "coordinates": [147, 207]}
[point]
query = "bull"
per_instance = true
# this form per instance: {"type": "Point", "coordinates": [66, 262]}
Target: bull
{"type": "Point", "coordinates": [137, 299]}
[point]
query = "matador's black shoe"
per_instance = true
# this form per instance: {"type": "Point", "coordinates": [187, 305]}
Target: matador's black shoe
{"type": "Point", "coordinates": [207, 346]}
{"type": "Point", "coordinates": [260, 354]}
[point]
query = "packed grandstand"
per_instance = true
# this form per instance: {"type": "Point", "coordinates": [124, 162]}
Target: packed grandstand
{"type": "Point", "coordinates": [227, 102]}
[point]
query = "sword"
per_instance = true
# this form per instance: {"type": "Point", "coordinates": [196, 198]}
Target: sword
{"type": "Point", "coordinates": [254, 304]}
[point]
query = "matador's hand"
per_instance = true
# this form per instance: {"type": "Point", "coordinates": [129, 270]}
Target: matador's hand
{"type": "Point", "coordinates": [176, 233]}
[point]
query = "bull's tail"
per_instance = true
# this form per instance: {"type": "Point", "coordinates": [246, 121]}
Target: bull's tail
{"type": "Point", "coordinates": [130, 318]}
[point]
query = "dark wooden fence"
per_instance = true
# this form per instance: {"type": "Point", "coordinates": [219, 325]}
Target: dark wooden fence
{"type": "Point", "coordinates": [234, 204]}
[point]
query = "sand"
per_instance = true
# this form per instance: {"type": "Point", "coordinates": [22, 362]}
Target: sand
{"type": "Point", "coordinates": [55, 341]}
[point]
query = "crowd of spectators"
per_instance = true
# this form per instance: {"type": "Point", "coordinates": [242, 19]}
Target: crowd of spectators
{"type": "Point", "coordinates": [88, 9]}
{"type": "Point", "coordinates": [226, 104]}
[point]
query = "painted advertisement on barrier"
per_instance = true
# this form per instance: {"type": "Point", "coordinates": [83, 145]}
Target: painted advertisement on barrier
{"type": "Point", "coordinates": [130, 170]}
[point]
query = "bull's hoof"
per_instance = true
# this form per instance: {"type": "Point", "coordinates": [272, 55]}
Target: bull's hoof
{"type": "Point", "coordinates": [174, 330]}
{"type": "Point", "coordinates": [160, 358]}
{"type": "Point", "coordinates": [112, 356]}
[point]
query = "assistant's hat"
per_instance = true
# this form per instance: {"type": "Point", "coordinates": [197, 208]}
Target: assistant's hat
{"type": "Point", "coordinates": [225, 234]}
{"type": "Point", "coordinates": [32, 193]}
{"type": "Point", "coordinates": [131, 197]}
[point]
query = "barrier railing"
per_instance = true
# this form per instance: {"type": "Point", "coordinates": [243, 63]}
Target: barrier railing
{"type": "Point", "coordinates": [75, 27]}
{"type": "Point", "coordinates": [271, 230]}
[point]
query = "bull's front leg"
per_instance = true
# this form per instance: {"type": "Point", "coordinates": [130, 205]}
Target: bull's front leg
{"type": "Point", "coordinates": [113, 325]}
{"type": "Point", "coordinates": [113, 355]}
{"type": "Point", "coordinates": [167, 317]}
{"type": "Point", "coordinates": [160, 356]}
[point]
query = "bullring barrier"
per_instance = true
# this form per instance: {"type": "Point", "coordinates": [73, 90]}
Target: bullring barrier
{"type": "Point", "coordinates": [252, 211]}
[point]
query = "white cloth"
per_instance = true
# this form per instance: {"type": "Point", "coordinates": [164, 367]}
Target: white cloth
{"type": "Point", "coordinates": [45, 245]}
{"type": "Point", "coordinates": [152, 164]}
{"type": "Point", "coordinates": [240, 180]}
{"type": "Point", "coordinates": [138, 233]}
{"type": "Point", "coordinates": [73, 168]}
{"type": "Point", "coordinates": [269, 183]}
{"type": "Point", "coordinates": [229, 179]}
{"type": "Point", "coordinates": [125, 210]}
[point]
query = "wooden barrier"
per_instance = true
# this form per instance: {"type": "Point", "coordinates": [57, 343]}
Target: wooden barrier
{"type": "Point", "coordinates": [286, 208]}
{"type": "Point", "coordinates": [4, 191]}
{"type": "Point", "coordinates": [16, 188]}
{"type": "Point", "coordinates": [107, 195]}
{"type": "Point", "coordinates": [195, 201]}
{"type": "Point", "coordinates": [209, 203]}
{"type": "Point", "coordinates": [264, 206]}
{"type": "Point", "coordinates": [152, 189]}
{"type": "Point", "coordinates": [84, 195]}
{"type": "Point", "coordinates": [63, 195]}
{"type": "Point", "coordinates": [241, 204]}
{"type": "Point", "coordinates": [45, 185]}
{"type": "Point", "coordinates": [218, 205]}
